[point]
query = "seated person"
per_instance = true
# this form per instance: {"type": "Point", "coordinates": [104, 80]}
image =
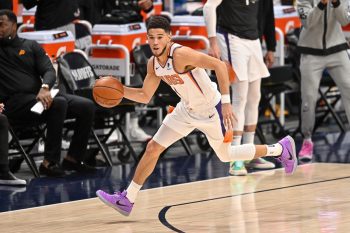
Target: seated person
{"type": "Point", "coordinates": [27, 75]}
{"type": "Point", "coordinates": [6, 177]}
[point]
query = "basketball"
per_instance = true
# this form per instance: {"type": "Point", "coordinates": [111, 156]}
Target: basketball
{"type": "Point", "coordinates": [231, 73]}
{"type": "Point", "coordinates": [108, 91]}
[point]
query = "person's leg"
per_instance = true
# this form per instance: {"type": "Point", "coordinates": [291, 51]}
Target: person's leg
{"type": "Point", "coordinates": [251, 119]}
{"type": "Point", "coordinates": [83, 111]}
{"type": "Point", "coordinates": [340, 71]}
{"type": "Point", "coordinates": [311, 68]}
{"type": "Point", "coordinates": [284, 150]}
{"type": "Point", "coordinates": [54, 118]}
{"type": "Point", "coordinates": [4, 126]}
{"type": "Point", "coordinates": [239, 101]}
{"type": "Point", "coordinates": [175, 126]}
{"type": "Point", "coordinates": [123, 202]}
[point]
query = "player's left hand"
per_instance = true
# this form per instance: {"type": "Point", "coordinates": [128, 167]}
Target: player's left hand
{"type": "Point", "coordinates": [228, 116]}
{"type": "Point", "coordinates": [145, 4]}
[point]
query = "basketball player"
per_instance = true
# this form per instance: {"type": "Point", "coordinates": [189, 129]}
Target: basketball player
{"type": "Point", "coordinates": [201, 106]}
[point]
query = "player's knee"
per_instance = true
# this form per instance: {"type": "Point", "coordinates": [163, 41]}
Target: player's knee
{"type": "Point", "coordinates": [224, 158]}
{"type": "Point", "coordinates": [153, 149]}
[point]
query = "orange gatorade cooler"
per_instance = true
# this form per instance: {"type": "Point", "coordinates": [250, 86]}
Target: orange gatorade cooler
{"type": "Point", "coordinates": [53, 42]}
{"type": "Point", "coordinates": [286, 18]}
{"type": "Point", "coordinates": [129, 35]}
{"type": "Point", "coordinates": [29, 15]}
{"type": "Point", "coordinates": [183, 27]}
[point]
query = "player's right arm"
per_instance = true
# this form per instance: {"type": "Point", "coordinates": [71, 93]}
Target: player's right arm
{"type": "Point", "coordinates": [150, 85]}
{"type": "Point", "coordinates": [209, 12]}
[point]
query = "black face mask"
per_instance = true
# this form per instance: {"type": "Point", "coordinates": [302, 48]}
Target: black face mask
{"type": "Point", "coordinates": [6, 41]}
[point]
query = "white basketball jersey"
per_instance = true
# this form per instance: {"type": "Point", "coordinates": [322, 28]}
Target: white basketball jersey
{"type": "Point", "coordinates": [194, 87]}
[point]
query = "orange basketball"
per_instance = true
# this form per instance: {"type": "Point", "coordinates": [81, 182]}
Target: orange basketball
{"type": "Point", "coordinates": [231, 73]}
{"type": "Point", "coordinates": [108, 91]}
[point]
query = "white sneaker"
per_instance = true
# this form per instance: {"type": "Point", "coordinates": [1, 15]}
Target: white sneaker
{"type": "Point", "coordinates": [65, 144]}
{"type": "Point", "coordinates": [9, 179]}
{"type": "Point", "coordinates": [41, 146]}
{"type": "Point", "coordinates": [260, 163]}
{"type": "Point", "coordinates": [237, 168]}
{"type": "Point", "coordinates": [137, 134]}
{"type": "Point", "coordinates": [114, 137]}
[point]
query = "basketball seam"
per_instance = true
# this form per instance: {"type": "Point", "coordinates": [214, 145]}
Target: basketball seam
{"type": "Point", "coordinates": [95, 94]}
{"type": "Point", "coordinates": [109, 88]}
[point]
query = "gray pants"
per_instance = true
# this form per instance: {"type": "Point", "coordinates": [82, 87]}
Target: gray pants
{"type": "Point", "coordinates": [312, 67]}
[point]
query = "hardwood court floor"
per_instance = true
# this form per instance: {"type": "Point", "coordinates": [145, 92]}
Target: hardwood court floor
{"type": "Point", "coordinates": [315, 199]}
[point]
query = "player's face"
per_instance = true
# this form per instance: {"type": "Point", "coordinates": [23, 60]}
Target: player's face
{"type": "Point", "coordinates": [7, 28]}
{"type": "Point", "coordinates": [158, 40]}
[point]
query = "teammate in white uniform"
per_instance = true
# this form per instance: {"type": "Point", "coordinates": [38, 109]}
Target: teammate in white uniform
{"type": "Point", "coordinates": [201, 106]}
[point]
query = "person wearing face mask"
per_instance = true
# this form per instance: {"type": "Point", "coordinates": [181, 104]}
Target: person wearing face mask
{"type": "Point", "coordinates": [322, 45]}
{"type": "Point", "coordinates": [26, 76]}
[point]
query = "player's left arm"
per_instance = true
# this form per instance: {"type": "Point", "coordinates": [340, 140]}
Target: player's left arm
{"type": "Point", "coordinates": [189, 57]}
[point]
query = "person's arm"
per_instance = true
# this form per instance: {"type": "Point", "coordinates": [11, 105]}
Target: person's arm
{"type": "Point", "coordinates": [186, 56]}
{"type": "Point", "coordinates": [2, 107]}
{"type": "Point", "coordinates": [310, 15]}
{"type": "Point", "coordinates": [342, 11]}
{"type": "Point", "coordinates": [209, 12]}
{"type": "Point", "coordinates": [269, 33]}
{"type": "Point", "coordinates": [28, 4]}
{"type": "Point", "coordinates": [146, 5]}
{"type": "Point", "coordinates": [46, 72]}
{"type": "Point", "coordinates": [149, 87]}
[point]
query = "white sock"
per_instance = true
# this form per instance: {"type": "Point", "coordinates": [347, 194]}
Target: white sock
{"type": "Point", "coordinates": [274, 149]}
{"type": "Point", "coordinates": [236, 140]}
{"type": "Point", "coordinates": [248, 138]}
{"type": "Point", "coordinates": [132, 191]}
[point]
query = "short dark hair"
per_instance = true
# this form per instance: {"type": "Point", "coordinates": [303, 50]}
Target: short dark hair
{"type": "Point", "coordinates": [10, 15]}
{"type": "Point", "coordinates": [158, 21]}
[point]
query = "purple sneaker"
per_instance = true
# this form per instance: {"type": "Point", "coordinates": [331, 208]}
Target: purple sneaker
{"type": "Point", "coordinates": [288, 158]}
{"type": "Point", "coordinates": [117, 201]}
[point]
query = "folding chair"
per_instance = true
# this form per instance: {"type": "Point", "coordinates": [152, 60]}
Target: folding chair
{"type": "Point", "coordinates": [282, 80]}
{"type": "Point", "coordinates": [77, 76]}
{"type": "Point", "coordinates": [329, 97]}
{"type": "Point", "coordinates": [25, 136]}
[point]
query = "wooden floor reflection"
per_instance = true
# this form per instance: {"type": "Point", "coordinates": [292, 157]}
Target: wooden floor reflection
{"type": "Point", "coordinates": [315, 199]}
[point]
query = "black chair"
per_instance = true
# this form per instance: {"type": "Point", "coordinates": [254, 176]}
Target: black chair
{"type": "Point", "coordinates": [25, 136]}
{"type": "Point", "coordinates": [164, 95]}
{"type": "Point", "coordinates": [329, 96]}
{"type": "Point", "coordinates": [70, 66]}
{"type": "Point", "coordinates": [283, 79]}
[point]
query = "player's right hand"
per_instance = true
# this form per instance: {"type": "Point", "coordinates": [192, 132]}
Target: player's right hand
{"type": "Point", "coordinates": [44, 96]}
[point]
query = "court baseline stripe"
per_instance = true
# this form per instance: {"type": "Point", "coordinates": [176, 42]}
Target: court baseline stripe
{"type": "Point", "coordinates": [162, 213]}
